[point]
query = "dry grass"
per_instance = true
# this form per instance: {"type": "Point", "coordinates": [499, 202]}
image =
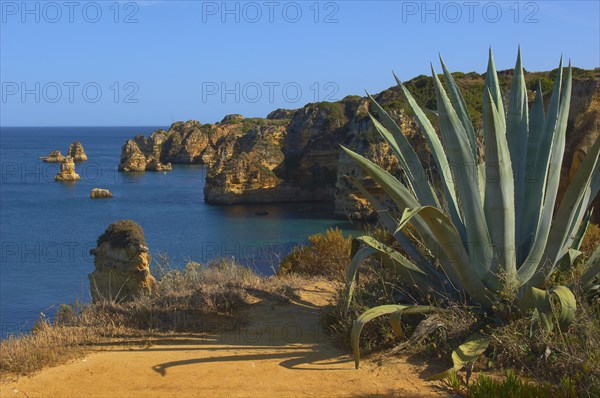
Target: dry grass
{"type": "Point", "coordinates": [591, 240]}
{"type": "Point", "coordinates": [199, 298]}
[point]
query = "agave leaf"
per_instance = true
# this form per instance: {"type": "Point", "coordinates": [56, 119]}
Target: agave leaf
{"type": "Point", "coordinates": [461, 157]}
{"type": "Point", "coordinates": [359, 257]}
{"type": "Point", "coordinates": [465, 354]}
{"type": "Point", "coordinates": [567, 261]}
{"type": "Point", "coordinates": [390, 223]}
{"type": "Point", "coordinates": [377, 312]}
{"type": "Point", "coordinates": [543, 306]}
{"type": "Point", "coordinates": [440, 158]}
{"type": "Point", "coordinates": [499, 204]}
{"type": "Point", "coordinates": [539, 174]}
{"type": "Point", "coordinates": [595, 184]}
{"type": "Point", "coordinates": [396, 323]}
{"type": "Point", "coordinates": [492, 84]}
{"type": "Point", "coordinates": [553, 160]}
{"type": "Point", "coordinates": [583, 229]}
{"type": "Point", "coordinates": [570, 213]}
{"type": "Point", "coordinates": [456, 265]}
{"type": "Point", "coordinates": [533, 188]}
{"type": "Point", "coordinates": [405, 153]}
{"type": "Point", "coordinates": [517, 130]}
{"type": "Point", "coordinates": [592, 270]}
{"type": "Point", "coordinates": [460, 106]}
{"type": "Point", "coordinates": [391, 253]}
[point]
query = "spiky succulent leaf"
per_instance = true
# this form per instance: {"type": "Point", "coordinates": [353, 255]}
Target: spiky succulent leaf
{"type": "Point", "coordinates": [592, 271]}
{"type": "Point", "coordinates": [517, 130]}
{"type": "Point", "coordinates": [460, 106]}
{"type": "Point", "coordinates": [351, 275]}
{"type": "Point", "coordinates": [437, 150]}
{"type": "Point", "coordinates": [465, 354]}
{"type": "Point", "coordinates": [405, 153]}
{"type": "Point", "coordinates": [499, 203]}
{"type": "Point", "coordinates": [376, 312]}
{"type": "Point", "coordinates": [555, 128]}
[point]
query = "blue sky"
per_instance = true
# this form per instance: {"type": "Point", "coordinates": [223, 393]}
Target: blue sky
{"type": "Point", "coordinates": [86, 63]}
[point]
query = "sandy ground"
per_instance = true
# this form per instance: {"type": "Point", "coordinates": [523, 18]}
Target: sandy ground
{"type": "Point", "coordinates": [282, 352]}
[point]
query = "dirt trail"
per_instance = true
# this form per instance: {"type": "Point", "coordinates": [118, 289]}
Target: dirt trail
{"type": "Point", "coordinates": [282, 352]}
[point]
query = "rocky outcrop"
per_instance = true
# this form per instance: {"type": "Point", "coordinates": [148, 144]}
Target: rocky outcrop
{"type": "Point", "coordinates": [99, 193]}
{"type": "Point", "coordinates": [121, 263]}
{"type": "Point", "coordinates": [184, 143]}
{"type": "Point", "coordinates": [76, 152]}
{"type": "Point", "coordinates": [302, 161]}
{"type": "Point", "coordinates": [250, 176]}
{"type": "Point", "coordinates": [67, 171]}
{"type": "Point", "coordinates": [53, 157]}
{"type": "Point", "coordinates": [143, 153]}
{"type": "Point", "coordinates": [233, 118]}
{"type": "Point", "coordinates": [281, 114]}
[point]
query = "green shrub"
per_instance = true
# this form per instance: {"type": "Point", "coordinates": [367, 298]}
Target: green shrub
{"type": "Point", "coordinates": [326, 254]}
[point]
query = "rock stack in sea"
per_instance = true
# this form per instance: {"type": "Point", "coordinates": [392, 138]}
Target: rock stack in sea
{"type": "Point", "coordinates": [76, 152]}
{"type": "Point", "coordinates": [99, 193]}
{"type": "Point", "coordinates": [121, 263]}
{"type": "Point", "coordinates": [67, 171]}
{"type": "Point", "coordinates": [53, 157]}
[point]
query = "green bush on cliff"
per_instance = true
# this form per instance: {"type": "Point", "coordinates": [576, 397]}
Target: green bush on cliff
{"type": "Point", "coordinates": [326, 254]}
{"type": "Point", "coordinates": [123, 233]}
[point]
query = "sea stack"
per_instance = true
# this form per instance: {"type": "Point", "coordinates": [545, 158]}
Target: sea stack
{"type": "Point", "coordinates": [76, 152]}
{"type": "Point", "coordinates": [53, 157]}
{"type": "Point", "coordinates": [121, 263]}
{"type": "Point", "coordinates": [99, 193]}
{"type": "Point", "coordinates": [67, 171]}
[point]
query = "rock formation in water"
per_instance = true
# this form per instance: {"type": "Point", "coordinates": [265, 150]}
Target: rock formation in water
{"type": "Point", "coordinates": [76, 152]}
{"type": "Point", "coordinates": [99, 193]}
{"type": "Point", "coordinates": [53, 157]}
{"type": "Point", "coordinates": [184, 143]}
{"type": "Point", "coordinates": [67, 171]}
{"type": "Point", "coordinates": [121, 263]}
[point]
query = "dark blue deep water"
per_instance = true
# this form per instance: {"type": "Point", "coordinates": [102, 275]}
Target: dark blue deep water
{"type": "Point", "coordinates": [47, 228]}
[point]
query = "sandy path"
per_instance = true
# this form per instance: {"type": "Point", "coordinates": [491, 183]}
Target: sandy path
{"type": "Point", "coordinates": [281, 353]}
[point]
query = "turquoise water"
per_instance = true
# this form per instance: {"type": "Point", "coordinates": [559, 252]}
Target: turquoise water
{"type": "Point", "coordinates": [47, 228]}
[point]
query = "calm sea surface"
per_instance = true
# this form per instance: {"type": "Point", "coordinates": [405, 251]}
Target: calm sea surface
{"type": "Point", "coordinates": [47, 228]}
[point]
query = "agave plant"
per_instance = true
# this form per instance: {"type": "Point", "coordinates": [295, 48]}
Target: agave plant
{"type": "Point", "coordinates": [487, 230]}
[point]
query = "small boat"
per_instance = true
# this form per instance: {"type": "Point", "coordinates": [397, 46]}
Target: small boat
{"type": "Point", "coordinates": [261, 213]}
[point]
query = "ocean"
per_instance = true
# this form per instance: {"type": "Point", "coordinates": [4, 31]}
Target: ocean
{"type": "Point", "coordinates": [47, 228]}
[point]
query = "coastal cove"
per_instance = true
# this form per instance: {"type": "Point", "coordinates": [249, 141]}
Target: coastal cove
{"type": "Point", "coordinates": [48, 227]}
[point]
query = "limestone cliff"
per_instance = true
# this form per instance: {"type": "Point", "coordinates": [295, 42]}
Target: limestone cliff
{"type": "Point", "coordinates": [302, 161]}
{"type": "Point", "coordinates": [184, 143]}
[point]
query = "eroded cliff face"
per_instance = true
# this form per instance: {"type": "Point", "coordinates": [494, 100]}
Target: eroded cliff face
{"type": "Point", "coordinates": [303, 161]}
{"type": "Point", "coordinates": [244, 167]}
{"type": "Point", "coordinates": [184, 143]}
